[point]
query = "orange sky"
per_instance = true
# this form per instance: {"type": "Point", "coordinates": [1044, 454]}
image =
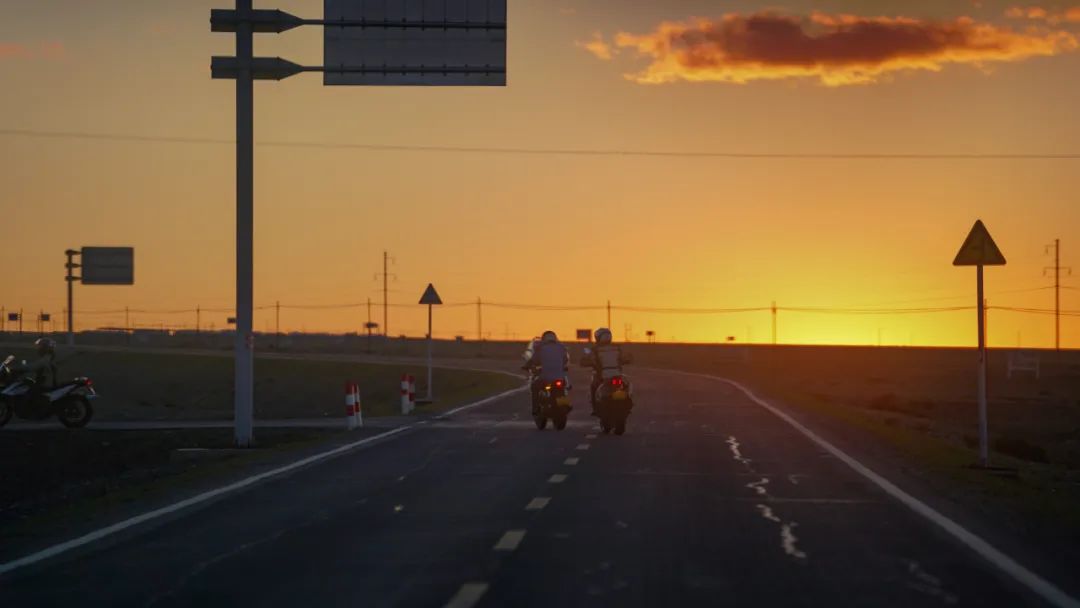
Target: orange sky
{"type": "Point", "coordinates": [554, 230]}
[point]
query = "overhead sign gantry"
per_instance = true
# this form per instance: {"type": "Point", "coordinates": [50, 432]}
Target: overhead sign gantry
{"type": "Point", "coordinates": [393, 42]}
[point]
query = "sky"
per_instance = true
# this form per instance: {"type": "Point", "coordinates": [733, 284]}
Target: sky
{"type": "Point", "coordinates": [661, 232]}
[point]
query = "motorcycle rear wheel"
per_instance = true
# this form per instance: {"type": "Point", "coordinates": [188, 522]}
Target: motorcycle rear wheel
{"type": "Point", "coordinates": [559, 422]}
{"type": "Point", "coordinates": [541, 421]}
{"type": "Point", "coordinates": [620, 427]}
{"type": "Point", "coordinates": [76, 413]}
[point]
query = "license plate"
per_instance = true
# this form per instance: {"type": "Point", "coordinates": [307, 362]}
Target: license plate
{"type": "Point", "coordinates": [562, 401]}
{"type": "Point", "coordinates": [619, 395]}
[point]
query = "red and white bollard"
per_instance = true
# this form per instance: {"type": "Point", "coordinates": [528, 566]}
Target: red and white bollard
{"type": "Point", "coordinates": [358, 408]}
{"type": "Point", "coordinates": [405, 401]}
{"type": "Point", "coordinates": [412, 392]}
{"type": "Point", "coordinates": [350, 405]}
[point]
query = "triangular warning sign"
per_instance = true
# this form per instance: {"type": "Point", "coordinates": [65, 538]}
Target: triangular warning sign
{"type": "Point", "coordinates": [430, 296]}
{"type": "Point", "coordinates": [979, 249]}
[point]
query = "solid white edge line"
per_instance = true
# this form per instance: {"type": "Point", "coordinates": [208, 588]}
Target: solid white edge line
{"type": "Point", "coordinates": [120, 526]}
{"type": "Point", "coordinates": [1037, 584]}
{"type": "Point", "coordinates": [468, 596]}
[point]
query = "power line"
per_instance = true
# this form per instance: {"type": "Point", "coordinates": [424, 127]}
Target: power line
{"type": "Point", "coordinates": [521, 151]}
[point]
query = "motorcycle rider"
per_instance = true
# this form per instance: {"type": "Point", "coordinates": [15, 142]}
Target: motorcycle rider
{"type": "Point", "coordinates": [41, 369]}
{"type": "Point", "coordinates": [549, 361]}
{"type": "Point", "coordinates": [605, 359]}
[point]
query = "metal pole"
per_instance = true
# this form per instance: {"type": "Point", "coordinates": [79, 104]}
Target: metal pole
{"type": "Point", "coordinates": [430, 393]}
{"type": "Point", "coordinates": [198, 318]}
{"type": "Point", "coordinates": [20, 321]}
{"type": "Point", "coordinates": [277, 324]}
{"type": "Point", "coordinates": [70, 297]}
{"type": "Point", "coordinates": [774, 322]}
{"type": "Point", "coordinates": [385, 295]}
{"type": "Point", "coordinates": [245, 182]}
{"type": "Point", "coordinates": [1057, 294]}
{"type": "Point", "coordinates": [984, 441]}
{"type": "Point", "coordinates": [609, 314]}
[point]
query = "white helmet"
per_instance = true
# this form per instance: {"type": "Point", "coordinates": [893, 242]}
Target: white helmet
{"type": "Point", "coordinates": [603, 336]}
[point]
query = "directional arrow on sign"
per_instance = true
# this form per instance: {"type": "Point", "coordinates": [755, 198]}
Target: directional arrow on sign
{"type": "Point", "coordinates": [979, 249]}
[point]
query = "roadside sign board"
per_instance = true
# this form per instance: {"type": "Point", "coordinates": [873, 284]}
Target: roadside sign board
{"type": "Point", "coordinates": [979, 249]}
{"type": "Point", "coordinates": [430, 297]}
{"type": "Point", "coordinates": [584, 334]}
{"type": "Point", "coordinates": [443, 44]}
{"type": "Point", "coordinates": [13, 316]}
{"type": "Point", "coordinates": [45, 317]}
{"type": "Point", "coordinates": [108, 266]}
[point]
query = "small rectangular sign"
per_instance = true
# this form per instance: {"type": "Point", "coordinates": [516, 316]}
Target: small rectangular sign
{"type": "Point", "coordinates": [108, 266]}
{"type": "Point", "coordinates": [435, 38]}
{"type": "Point", "coordinates": [13, 316]}
{"type": "Point", "coordinates": [45, 317]}
{"type": "Point", "coordinates": [584, 334]}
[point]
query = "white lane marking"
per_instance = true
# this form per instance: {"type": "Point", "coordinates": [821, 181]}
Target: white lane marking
{"type": "Point", "coordinates": [247, 482]}
{"type": "Point", "coordinates": [583, 446]}
{"type": "Point", "coordinates": [537, 503]}
{"type": "Point", "coordinates": [928, 584]}
{"type": "Point", "coordinates": [399, 508]}
{"type": "Point", "coordinates": [1037, 584]}
{"type": "Point", "coordinates": [557, 478]}
{"type": "Point", "coordinates": [787, 536]}
{"type": "Point", "coordinates": [590, 436]}
{"type": "Point", "coordinates": [759, 486]}
{"type": "Point", "coordinates": [733, 443]}
{"type": "Point", "coordinates": [468, 596]}
{"type": "Point", "coordinates": [510, 540]}
{"type": "Point", "coordinates": [794, 478]}
{"type": "Point", "coordinates": [493, 440]}
{"type": "Point", "coordinates": [570, 462]}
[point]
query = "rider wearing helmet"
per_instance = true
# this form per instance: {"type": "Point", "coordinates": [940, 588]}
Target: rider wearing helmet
{"type": "Point", "coordinates": [45, 348]}
{"type": "Point", "coordinates": [605, 359]}
{"type": "Point", "coordinates": [548, 361]}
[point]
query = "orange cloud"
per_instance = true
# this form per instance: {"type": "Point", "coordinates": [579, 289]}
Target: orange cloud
{"type": "Point", "coordinates": [836, 50]}
{"type": "Point", "coordinates": [598, 47]}
{"type": "Point", "coordinates": [44, 50]}
{"type": "Point", "coordinates": [1038, 13]}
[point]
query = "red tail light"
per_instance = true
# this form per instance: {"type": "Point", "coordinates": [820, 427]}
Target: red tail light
{"type": "Point", "coordinates": [558, 384]}
{"type": "Point", "coordinates": [616, 382]}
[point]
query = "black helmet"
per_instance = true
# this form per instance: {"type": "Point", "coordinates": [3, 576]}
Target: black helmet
{"type": "Point", "coordinates": [549, 336]}
{"type": "Point", "coordinates": [45, 346]}
{"type": "Point", "coordinates": [603, 336]}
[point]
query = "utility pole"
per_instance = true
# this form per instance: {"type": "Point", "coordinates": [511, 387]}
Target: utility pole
{"type": "Point", "coordinates": [479, 321]}
{"type": "Point", "coordinates": [277, 324]}
{"type": "Point", "coordinates": [71, 278]}
{"type": "Point", "coordinates": [1056, 268]}
{"type": "Point", "coordinates": [774, 322]}
{"type": "Point", "coordinates": [386, 260]}
{"type": "Point", "coordinates": [609, 314]}
{"type": "Point", "coordinates": [198, 318]}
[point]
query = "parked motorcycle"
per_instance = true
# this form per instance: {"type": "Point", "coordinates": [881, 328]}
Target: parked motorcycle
{"type": "Point", "coordinates": [614, 401]}
{"type": "Point", "coordinates": [69, 401]}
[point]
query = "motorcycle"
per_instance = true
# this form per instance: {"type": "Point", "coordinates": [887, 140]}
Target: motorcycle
{"type": "Point", "coordinates": [69, 401]}
{"type": "Point", "coordinates": [614, 401]}
{"type": "Point", "coordinates": [554, 404]}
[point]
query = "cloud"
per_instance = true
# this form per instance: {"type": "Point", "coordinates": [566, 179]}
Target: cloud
{"type": "Point", "coordinates": [51, 50]}
{"type": "Point", "coordinates": [598, 47]}
{"type": "Point", "coordinates": [1038, 13]}
{"type": "Point", "coordinates": [836, 50]}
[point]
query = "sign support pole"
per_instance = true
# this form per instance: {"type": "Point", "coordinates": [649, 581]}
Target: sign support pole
{"type": "Point", "coordinates": [984, 441]}
{"type": "Point", "coordinates": [430, 392]}
{"type": "Point", "coordinates": [70, 296]}
{"type": "Point", "coordinates": [245, 179]}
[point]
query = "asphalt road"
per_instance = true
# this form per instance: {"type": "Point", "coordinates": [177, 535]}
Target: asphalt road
{"type": "Point", "coordinates": [708, 500]}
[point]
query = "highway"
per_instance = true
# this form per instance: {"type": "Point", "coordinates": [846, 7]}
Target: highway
{"type": "Point", "coordinates": [708, 500]}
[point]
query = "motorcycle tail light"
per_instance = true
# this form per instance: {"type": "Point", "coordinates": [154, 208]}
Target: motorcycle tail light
{"type": "Point", "coordinates": [558, 383]}
{"type": "Point", "coordinates": [616, 382]}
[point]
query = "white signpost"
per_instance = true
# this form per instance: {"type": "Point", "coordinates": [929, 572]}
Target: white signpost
{"type": "Point", "coordinates": [980, 250]}
{"type": "Point", "coordinates": [384, 42]}
{"type": "Point", "coordinates": [431, 298]}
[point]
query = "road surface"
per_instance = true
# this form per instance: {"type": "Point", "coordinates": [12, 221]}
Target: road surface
{"type": "Point", "coordinates": [708, 500]}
